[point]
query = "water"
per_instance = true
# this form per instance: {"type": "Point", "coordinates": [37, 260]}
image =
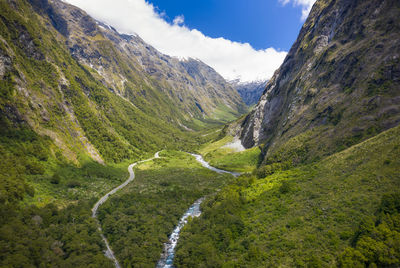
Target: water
{"type": "Point", "coordinates": [109, 253]}
{"type": "Point", "coordinates": [167, 258]}
{"type": "Point", "coordinates": [205, 164]}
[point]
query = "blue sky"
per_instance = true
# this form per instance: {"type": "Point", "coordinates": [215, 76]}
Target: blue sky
{"type": "Point", "coordinates": [262, 23]}
{"type": "Point", "coordinates": [241, 39]}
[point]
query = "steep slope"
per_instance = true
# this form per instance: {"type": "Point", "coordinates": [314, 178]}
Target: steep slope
{"type": "Point", "coordinates": [74, 91]}
{"type": "Point", "coordinates": [327, 188]}
{"type": "Point", "coordinates": [45, 89]}
{"type": "Point", "coordinates": [342, 211]}
{"type": "Point", "coordinates": [250, 91]}
{"type": "Point", "coordinates": [338, 85]}
{"type": "Point", "coordinates": [69, 122]}
{"type": "Point", "coordinates": [127, 64]}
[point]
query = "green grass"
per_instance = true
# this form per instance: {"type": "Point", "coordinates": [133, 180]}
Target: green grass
{"type": "Point", "coordinates": [305, 216]}
{"type": "Point", "coordinates": [228, 159]}
{"type": "Point", "coordinates": [225, 114]}
{"type": "Point", "coordinates": [139, 219]}
{"type": "Point", "coordinates": [67, 183]}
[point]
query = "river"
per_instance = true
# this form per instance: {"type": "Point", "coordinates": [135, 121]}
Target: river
{"type": "Point", "coordinates": [109, 253]}
{"type": "Point", "coordinates": [167, 258]}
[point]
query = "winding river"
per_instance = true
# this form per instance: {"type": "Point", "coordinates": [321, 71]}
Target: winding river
{"type": "Point", "coordinates": [167, 257]}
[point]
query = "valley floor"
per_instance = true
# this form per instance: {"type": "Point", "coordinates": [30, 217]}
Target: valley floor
{"type": "Point", "coordinates": [340, 211]}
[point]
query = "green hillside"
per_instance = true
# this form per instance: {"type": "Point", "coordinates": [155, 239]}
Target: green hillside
{"type": "Point", "coordinates": [67, 135]}
{"type": "Point", "coordinates": [80, 102]}
{"type": "Point", "coordinates": [56, 111]}
{"type": "Point", "coordinates": [340, 211]}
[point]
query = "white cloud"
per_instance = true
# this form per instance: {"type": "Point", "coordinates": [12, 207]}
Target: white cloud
{"type": "Point", "coordinates": [179, 20]}
{"type": "Point", "coordinates": [305, 4]}
{"type": "Point", "coordinates": [231, 59]}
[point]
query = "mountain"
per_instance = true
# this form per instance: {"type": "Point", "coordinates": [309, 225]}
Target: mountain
{"type": "Point", "coordinates": [75, 77]}
{"type": "Point", "coordinates": [325, 191]}
{"type": "Point", "coordinates": [250, 91]}
{"type": "Point", "coordinates": [122, 59]}
{"type": "Point", "coordinates": [75, 90]}
{"type": "Point", "coordinates": [79, 102]}
{"type": "Point", "coordinates": [338, 85]}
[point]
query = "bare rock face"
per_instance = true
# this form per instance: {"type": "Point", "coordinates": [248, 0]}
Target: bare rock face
{"type": "Point", "coordinates": [45, 7]}
{"type": "Point", "coordinates": [345, 57]}
{"type": "Point", "coordinates": [5, 63]}
{"type": "Point", "coordinates": [27, 44]}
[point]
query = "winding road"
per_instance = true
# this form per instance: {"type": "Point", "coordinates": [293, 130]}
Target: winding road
{"type": "Point", "coordinates": [109, 253]}
{"type": "Point", "coordinates": [167, 257]}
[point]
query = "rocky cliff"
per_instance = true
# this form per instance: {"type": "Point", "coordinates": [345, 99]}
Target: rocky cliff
{"type": "Point", "coordinates": [339, 84]}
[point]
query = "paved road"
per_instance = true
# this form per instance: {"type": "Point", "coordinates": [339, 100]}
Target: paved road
{"type": "Point", "coordinates": [109, 253]}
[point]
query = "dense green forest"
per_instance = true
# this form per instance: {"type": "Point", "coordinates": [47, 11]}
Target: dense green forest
{"type": "Point", "coordinates": [52, 109]}
{"type": "Point", "coordinates": [340, 211]}
{"type": "Point", "coordinates": [50, 237]}
{"type": "Point", "coordinates": [318, 189]}
{"type": "Point", "coordinates": [139, 219]}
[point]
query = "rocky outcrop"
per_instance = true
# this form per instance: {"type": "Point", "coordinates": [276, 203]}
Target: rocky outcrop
{"type": "Point", "coordinates": [44, 7]}
{"type": "Point", "coordinates": [5, 63]}
{"type": "Point", "coordinates": [26, 43]}
{"type": "Point", "coordinates": [339, 79]}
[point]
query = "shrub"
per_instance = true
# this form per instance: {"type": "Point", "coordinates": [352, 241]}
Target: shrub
{"type": "Point", "coordinates": [73, 184]}
{"type": "Point", "coordinates": [285, 187]}
{"type": "Point", "coordinates": [55, 179]}
{"type": "Point", "coordinates": [34, 167]}
{"type": "Point", "coordinates": [267, 170]}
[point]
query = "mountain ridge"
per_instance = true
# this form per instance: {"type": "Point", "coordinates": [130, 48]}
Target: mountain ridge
{"type": "Point", "coordinates": [250, 91]}
{"type": "Point", "coordinates": [170, 75]}
{"type": "Point", "coordinates": [105, 60]}
{"type": "Point", "coordinates": [340, 79]}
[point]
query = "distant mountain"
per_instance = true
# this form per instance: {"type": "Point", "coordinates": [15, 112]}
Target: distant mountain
{"type": "Point", "coordinates": [249, 91]}
{"type": "Point", "coordinates": [195, 87]}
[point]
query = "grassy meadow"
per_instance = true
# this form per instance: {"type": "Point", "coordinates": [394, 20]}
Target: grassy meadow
{"type": "Point", "coordinates": [227, 158]}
